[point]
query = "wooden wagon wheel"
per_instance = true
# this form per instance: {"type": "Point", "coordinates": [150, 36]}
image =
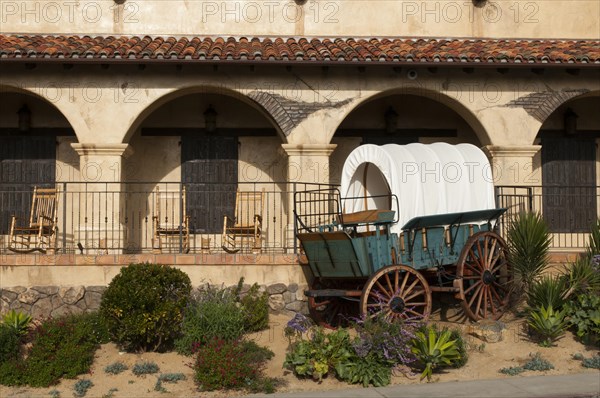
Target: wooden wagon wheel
{"type": "Point", "coordinates": [483, 276]}
{"type": "Point", "coordinates": [397, 292]}
{"type": "Point", "coordinates": [331, 312]}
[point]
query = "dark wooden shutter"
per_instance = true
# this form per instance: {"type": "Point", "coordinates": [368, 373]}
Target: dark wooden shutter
{"type": "Point", "coordinates": [569, 182]}
{"type": "Point", "coordinates": [25, 162]}
{"type": "Point", "coordinates": [209, 171]}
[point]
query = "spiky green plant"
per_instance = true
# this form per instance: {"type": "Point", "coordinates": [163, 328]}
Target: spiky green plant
{"type": "Point", "coordinates": [593, 248]}
{"type": "Point", "coordinates": [548, 291]}
{"type": "Point", "coordinates": [528, 247]}
{"type": "Point", "coordinates": [434, 348]}
{"type": "Point", "coordinates": [18, 321]}
{"type": "Point", "coordinates": [548, 324]}
{"type": "Point", "coordinates": [581, 277]}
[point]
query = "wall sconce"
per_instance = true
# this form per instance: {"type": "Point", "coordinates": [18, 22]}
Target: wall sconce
{"type": "Point", "coordinates": [24, 119]}
{"type": "Point", "coordinates": [570, 122]}
{"type": "Point", "coordinates": [391, 120]}
{"type": "Point", "coordinates": [210, 119]}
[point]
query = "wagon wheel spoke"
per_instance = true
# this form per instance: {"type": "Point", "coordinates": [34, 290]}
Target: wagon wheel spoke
{"type": "Point", "coordinates": [493, 250]}
{"type": "Point", "coordinates": [390, 297]}
{"type": "Point", "coordinates": [478, 283]}
{"type": "Point", "coordinates": [382, 289]}
{"type": "Point", "coordinates": [477, 291]}
{"type": "Point", "coordinates": [492, 307]}
{"type": "Point", "coordinates": [475, 270]}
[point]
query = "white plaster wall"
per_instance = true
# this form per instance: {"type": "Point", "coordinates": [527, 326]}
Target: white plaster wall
{"type": "Point", "coordinates": [409, 18]}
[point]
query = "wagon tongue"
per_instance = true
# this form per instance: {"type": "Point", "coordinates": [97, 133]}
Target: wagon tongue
{"type": "Point", "coordinates": [488, 277]}
{"type": "Point", "coordinates": [397, 305]}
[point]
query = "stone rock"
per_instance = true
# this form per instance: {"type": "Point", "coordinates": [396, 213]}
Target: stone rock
{"type": "Point", "coordinates": [276, 288]}
{"type": "Point", "coordinates": [65, 310]}
{"type": "Point", "coordinates": [16, 289]}
{"type": "Point", "coordinates": [19, 306]}
{"type": "Point", "coordinates": [46, 290]}
{"type": "Point", "coordinates": [488, 330]}
{"type": "Point", "coordinates": [57, 301]}
{"type": "Point", "coordinates": [276, 302]}
{"type": "Point", "coordinates": [42, 308]}
{"type": "Point", "coordinates": [296, 306]}
{"type": "Point", "coordinates": [244, 289]}
{"type": "Point", "coordinates": [96, 289]}
{"type": "Point", "coordinates": [29, 297]}
{"type": "Point", "coordinates": [292, 287]}
{"type": "Point", "coordinates": [4, 307]}
{"type": "Point", "coordinates": [71, 295]}
{"type": "Point", "coordinates": [300, 293]}
{"type": "Point", "coordinates": [289, 297]}
{"type": "Point", "coordinates": [8, 296]}
{"type": "Point", "coordinates": [92, 300]}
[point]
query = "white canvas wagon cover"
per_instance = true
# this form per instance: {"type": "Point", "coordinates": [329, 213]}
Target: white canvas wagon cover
{"type": "Point", "coordinates": [428, 179]}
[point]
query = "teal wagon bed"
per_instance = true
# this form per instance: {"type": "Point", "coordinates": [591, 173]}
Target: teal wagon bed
{"type": "Point", "coordinates": [372, 254]}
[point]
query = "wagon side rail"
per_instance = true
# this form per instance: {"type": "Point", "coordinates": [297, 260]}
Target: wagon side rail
{"type": "Point", "coordinates": [316, 210]}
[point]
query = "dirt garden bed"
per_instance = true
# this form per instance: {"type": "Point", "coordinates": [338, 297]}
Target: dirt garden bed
{"type": "Point", "coordinates": [485, 360]}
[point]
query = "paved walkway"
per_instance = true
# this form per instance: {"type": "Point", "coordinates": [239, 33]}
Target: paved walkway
{"type": "Point", "coordinates": [581, 385]}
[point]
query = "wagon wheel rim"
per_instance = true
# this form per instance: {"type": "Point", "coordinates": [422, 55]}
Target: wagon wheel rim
{"type": "Point", "coordinates": [396, 292]}
{"type": "Point", "coordinates": [484, 276]}
{"type": "Point", "coordinates": [329, 312]}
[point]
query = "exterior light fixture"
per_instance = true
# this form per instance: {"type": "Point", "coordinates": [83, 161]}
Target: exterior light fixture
{"type": "Point", "coordinates": [24, 119]}
{"type": "Point", "coordinates": [391, 120]}
{"type": "Point", "coordinates": [570, 122]}
{"type": "Point", "coordinates": [210, 119]}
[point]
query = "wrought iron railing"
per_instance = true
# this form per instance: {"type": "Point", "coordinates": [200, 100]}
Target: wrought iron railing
{"type": "Point", "coordinates": [107, 218]}
{"type": "Point", "coordinates": [569, 211]}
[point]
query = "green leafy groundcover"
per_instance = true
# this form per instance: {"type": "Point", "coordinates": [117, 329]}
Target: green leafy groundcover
{"type": "Point", "coordinates": [62, 347]}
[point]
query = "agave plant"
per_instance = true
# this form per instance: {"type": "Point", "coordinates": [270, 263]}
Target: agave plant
{"type": "Point", "coordinates": [548, 291]}
{"type": "Point", "coordinates": [434, 348]}
{"type": "Point", "coordinates": [582, 276]}
{"type": "Point", "coordinates": [528, 247]}
{"type": "Point", "coordinates": [548, 324]}
{"type": "Point", "coordinates": [18, 321]}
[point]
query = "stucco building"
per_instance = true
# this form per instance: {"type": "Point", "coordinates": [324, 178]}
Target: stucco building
{"type": "Point", "coordinates": [110, 99]}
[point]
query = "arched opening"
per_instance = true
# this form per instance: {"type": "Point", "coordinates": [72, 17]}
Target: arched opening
{"type": "Point", "coordinates": [569, 164]}
{"type": "Point", "coordinates": [35, 151]}
{"type": "Point", "coordinates": [403, 118]}
{"type": "Point", "coordinates": [214, 144]}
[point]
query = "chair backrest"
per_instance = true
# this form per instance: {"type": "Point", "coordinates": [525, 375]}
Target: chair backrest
{"type": "Point", "coordinates": [43, 207]}
{"type": "Point", "coordinates": [247, 205]}
{"type": "Point", "coordinates": [170, 207]}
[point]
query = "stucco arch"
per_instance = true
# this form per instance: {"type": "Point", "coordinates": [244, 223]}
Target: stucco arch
{"type": "Point", "coordinates": [8, 89]}
{"type": "Point", "coordinates": [260, 103]}
{"type": "Point", "coordinates": [552, 104]}
{"type": "Point", "coordinates": [457, 106]}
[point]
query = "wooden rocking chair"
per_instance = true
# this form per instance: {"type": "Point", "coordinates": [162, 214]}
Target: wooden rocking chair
{"type": "Point", "coordinates": [40, 234]}
{"type": "Point", "coordinates": [247, 222]}
{"type": "Point", "coordinates": [170, 220]}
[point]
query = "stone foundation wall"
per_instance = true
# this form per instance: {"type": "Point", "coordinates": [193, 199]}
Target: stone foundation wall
{"type": "Point", "coordinates": [54, 301]}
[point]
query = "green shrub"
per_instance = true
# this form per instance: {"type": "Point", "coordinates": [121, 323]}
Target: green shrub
{"type": "Point", "coordinates": [549, 325]}
{"type": "Point", "coordinates": [9, 344]}
{"type": "Point", "coordinates": [115, 368]}
{"type": "Point", "coordinates": [143, 306]}
{"type": "Point", "coordinates": [584, 316]}
{"type": "Point", "coordinates": [512, 371]}
{"type": "Point", "coordinates": [81, 387]}
{"type": "Point", "coordinates": [213, 313]}
{"type": "Point", "coordinates": [461, 347]}
{"type": "Point", "coordinates": [548, 291]}
{"type": "Point", "coordinates": [18, 321]}
{"type": "Point", "coordinates": [221, 364]}
{"type": "Point", "coordinates": [255, 306]}
{"type": "Point", "coordinates": [528, 247]}
{"type": "Point", "coordinates": [145, 368]}
{"type": "Point", "coordinates": [592, 363]}
{"type": "Point", "coordinates": [582, 277]}
{"type": "Point", "coordinates": [593, 248]}
{"type": "Point", "coordinates": [318, 354]}
{"type": "Point", "coordinates": [62, 347]}
{"type": "Point", "coordinates": [434, 349]}
{"type": "Point", "coordinates": [538, 363]}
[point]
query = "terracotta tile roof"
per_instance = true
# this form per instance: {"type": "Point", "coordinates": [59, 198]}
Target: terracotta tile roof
{"type": "Point", "coordinates": [301, 50]}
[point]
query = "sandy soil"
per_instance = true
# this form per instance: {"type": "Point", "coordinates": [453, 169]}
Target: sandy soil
{"type": "Point", "coordinates": [485, 359]}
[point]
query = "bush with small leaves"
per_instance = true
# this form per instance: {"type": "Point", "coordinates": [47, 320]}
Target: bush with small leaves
{"type": "Point", "coordinates": [115, 368]}
{"type": "Point", "coordinates": [143, 306]}
{"type": "Point", "coordinates": [538, 363]}
{"type": "Point", "coordinates": [81, 387]}
{"type": "Point", "coordinates": [592, 363]}
{"type": "Point", "coordinates": [54, 393]}
{"type": "Point", "coordinates": [9, 344]}
{"type": "Point", "coordinates": [512, 371]}
{"type": "Point", "coordinates": [145, 368]}
{"type": "Point", "coordinates": [255, 306]}
{"type": "Point", "coordinates": [167, 378]}
{"type": "Point", "coordinates": [222, 364]}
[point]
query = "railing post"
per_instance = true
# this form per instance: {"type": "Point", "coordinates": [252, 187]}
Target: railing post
{"type": "Point", "coordinates": [64, 217]}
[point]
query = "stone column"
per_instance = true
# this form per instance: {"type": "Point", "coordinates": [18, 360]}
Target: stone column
{"type": "Point", "coordinates": [97, 204]}
{"type": "Point", "coordinates": [517, 176]}
{"type": "Point", "coordinates": [308, 166]}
